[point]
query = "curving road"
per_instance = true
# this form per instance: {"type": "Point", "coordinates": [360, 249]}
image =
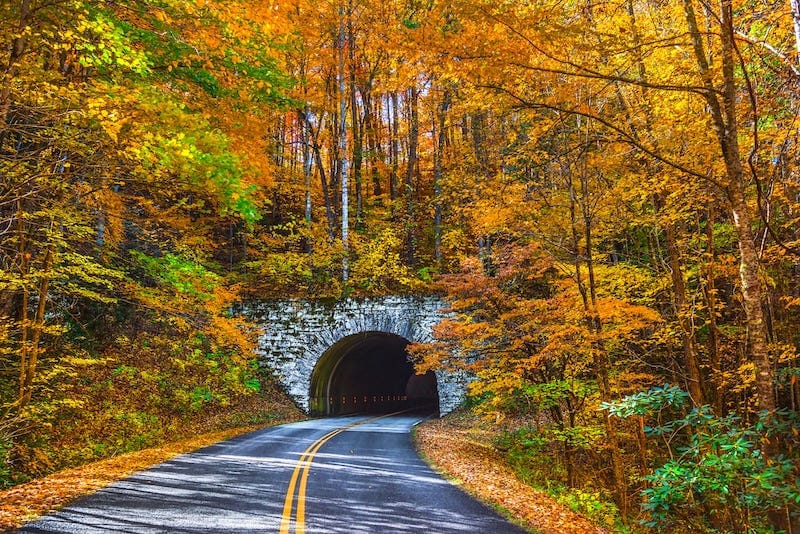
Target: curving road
{"type": "Point", "coordinates": [337, 475]}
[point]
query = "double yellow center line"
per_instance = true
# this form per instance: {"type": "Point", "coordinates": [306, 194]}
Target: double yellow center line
{"type": "Point", "coordinates": [301, 473]}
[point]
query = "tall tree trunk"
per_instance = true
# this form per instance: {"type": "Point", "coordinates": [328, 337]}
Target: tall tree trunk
{"type": "Point", "coordinates": [326, 193]}
{"type": "Point", "coordinates": [31, 330]}
{"type": "Point", "coordinates": [330, 210]}
{"type": "Point", "coordinates": [355, 119]}
{"type": "Point", "coordinates": [581, 207]}
{"type": "Point", "coordinates": [308, 167]}
{"type": "Point", "coordinates": [344, 14]}
{"type": "Point", "coordinates": [680, 301]}
{"type": "Point", "coordinates": [411, 172]}
{"type": "Point", "coordinates": [15, 53]}
{"type": "Point", "coordinates": [38, 326]}
{"type": "Point", "coordinates": [334, 173]}
{"type": "Point", "coordinates": [683, 316]}
{"type": "Point", "coordinates": [24, 272]}
{"type": "Point", "coordinates": [394, 151]}
{"type": "Point", "coordinates": [371, 120]}
{"type": "Point", "coordinates": [752, 298]}
{"type": "Point", "coordinates": [724, 118]}
{"type": "Point", "coordinates": [438, 164]}
{"type": "Point", "coordinates": [711, 304]}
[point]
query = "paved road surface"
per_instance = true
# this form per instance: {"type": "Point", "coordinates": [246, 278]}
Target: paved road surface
{"type": "Point", "coordinates": [339, 475]}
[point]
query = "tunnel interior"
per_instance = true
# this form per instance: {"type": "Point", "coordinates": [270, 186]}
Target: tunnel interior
{"type": "Point", "coordinates": [370, 372]}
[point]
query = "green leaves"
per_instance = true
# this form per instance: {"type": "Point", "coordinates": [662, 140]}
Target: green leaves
{"type": "Point", "coordinates": [181, 274]}
{"type": "Point", "coordinates": [647, 402]}
{"type": "Point", "coordinates": [183, 144]}
{"type": "Point", "coordinates": [106, 46]}
{"type": "Point", "coordinates": [718, 465]}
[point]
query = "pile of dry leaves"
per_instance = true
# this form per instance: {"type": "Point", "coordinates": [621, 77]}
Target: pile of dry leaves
{"type": "Point", "coordinates": [458, 447]}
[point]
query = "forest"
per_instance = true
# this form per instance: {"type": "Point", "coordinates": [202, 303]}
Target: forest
{"type": "Point", "coordinates": [607, 194]}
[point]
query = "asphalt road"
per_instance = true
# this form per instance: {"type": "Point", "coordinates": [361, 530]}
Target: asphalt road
{"type": "Point", "coordinates": [337, 475]}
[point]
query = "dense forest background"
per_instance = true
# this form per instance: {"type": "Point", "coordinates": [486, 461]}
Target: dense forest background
{"type": "Point", "coordinates": [606, 192]}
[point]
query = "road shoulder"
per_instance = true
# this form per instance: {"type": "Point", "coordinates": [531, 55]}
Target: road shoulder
{"type": "Point", "coordinates": [452, 446]}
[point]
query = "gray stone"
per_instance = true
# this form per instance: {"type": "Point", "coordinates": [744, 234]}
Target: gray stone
{"type": "Point", "coordinates": [296, 333]}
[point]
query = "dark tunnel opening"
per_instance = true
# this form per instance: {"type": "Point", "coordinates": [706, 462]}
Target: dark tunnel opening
{"type": "Point", "coordinates": [370, 373]}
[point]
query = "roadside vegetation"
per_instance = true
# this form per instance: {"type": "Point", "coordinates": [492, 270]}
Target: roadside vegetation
{"type": "Point", "coordinates": [605, 193]}
{"type": "Point", "coordinates": [463, 448]}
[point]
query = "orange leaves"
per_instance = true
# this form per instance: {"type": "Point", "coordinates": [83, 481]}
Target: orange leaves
{"type": "Point", "coordinates": [460, 446]}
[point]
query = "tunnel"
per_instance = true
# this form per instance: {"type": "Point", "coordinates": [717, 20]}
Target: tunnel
{"type": "Point", "coordinates": [370, 372]}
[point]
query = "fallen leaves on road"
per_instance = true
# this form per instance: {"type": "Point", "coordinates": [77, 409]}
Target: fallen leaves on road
{"type": "Point", "coordinates": [458, 447]}
{"type": "Point", "coordinates": [26, 502]}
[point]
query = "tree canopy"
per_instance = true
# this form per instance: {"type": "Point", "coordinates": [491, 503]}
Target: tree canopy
{"type": "Point", "coordinates": [606, 193]}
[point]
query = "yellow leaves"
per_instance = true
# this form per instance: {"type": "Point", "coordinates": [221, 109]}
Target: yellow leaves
{"type": "Point", "coordinates": [162, 16]}
{"type": "Point", "coordinates": [106, 112]}
{"type": "Point", "coordinates": [740, 379]}
{"type": "Point", "coordinates": [378, 266]}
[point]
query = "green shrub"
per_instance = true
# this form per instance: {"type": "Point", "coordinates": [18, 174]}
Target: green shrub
{"type": "Point", "coordinates": [722, 474]}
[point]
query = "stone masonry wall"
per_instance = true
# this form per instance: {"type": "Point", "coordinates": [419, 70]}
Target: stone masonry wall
{"type": "Point", "coordinates": [296, 333]}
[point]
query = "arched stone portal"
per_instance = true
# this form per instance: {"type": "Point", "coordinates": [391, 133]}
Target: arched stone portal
{"type": "Point", "coordinates": [305, 343]}
{"type": "Point", "coordinates": [370, 372]}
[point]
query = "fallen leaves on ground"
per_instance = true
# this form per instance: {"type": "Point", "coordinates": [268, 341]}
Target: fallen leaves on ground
{"type": "Point", "coordinates": [457, 446]}
{"type": "Point", "coordinates": [26, 502]}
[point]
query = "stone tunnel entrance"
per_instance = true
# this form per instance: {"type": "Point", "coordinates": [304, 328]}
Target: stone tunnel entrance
{"type": "Point", "coordinates": [370, 373]}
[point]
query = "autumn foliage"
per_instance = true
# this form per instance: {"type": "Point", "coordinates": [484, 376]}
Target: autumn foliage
{"type": "Point", "coordinates": [605, 193]}
{"type": "Point", "coordinates": [115, 330]}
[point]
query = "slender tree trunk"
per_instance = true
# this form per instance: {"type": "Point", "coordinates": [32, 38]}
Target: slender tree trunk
{"type": "Point", "coordinates": [581, 207]}
{"type": "Point", "coordinates": [749, 261]}
{"type": "Point", "coordinates": [641, 441]}
{"type": "Point", "coordinates": [679, 297]}
{"type": "Point", "coordinates": [438, 164]}
{"type": "Point", "coordinates": [752, 298]}
{"type": "Point", "coordinates": [308, 167]}
{"type": "Point", "coordinates": [38, 326]}
{"type": "Point", "coordinates": [343, 160]}
{"type": "Point", "coordinates": [355, 119]}
{"type": "Point", "coordinates": [711, 304]}
{"type": "Point", "coordinates": [31, 330]}
{"type": "Point", "coordinates": [411, 171]}
{"type": "Point", "coordinates": [326, 193]}
{"type": "Point", "coordinates": [334, 172]}
{"type": "Point", "coordinates": [15, 53]}
{"type": "Point", "coordinates": [601, 358]}
{"type": "Point", "coordinates": [371, 119]}
{"type": "Point", "coordinates": [394, 151]}
{"type": "Point", "coordinates": [724, 118]}
{"type": "Point", "coordinates": [683, 315]}
{"type": "Point", "coordinates": [24, 325]}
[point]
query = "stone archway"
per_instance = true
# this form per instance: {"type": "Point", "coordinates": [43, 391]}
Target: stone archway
{"type": "Point", "coordinates": [298, 333]}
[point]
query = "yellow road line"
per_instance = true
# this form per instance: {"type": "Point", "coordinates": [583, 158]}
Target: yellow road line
{"type": "Point", "coordinates": [300, 515]}
{"type": "Point", "coordinates": [302, 462]}
{"type": "Point", "coordinates": [301, 471]}
{"type": "Point", "coordinates": [303, 466]}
